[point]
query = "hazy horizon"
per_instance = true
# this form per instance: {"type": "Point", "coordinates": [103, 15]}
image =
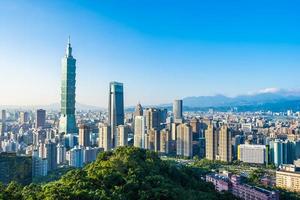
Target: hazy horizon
{"type": "Point", "coordinates": [161, 53]}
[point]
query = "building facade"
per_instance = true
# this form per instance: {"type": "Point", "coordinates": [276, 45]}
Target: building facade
{"type": "Point", "coordinates": [67, 122]}
{"type": "Point", "coordinates": [115, 109]}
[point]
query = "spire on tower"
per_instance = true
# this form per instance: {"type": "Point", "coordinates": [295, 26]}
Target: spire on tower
{"type": "Point", "coordinates": [69, 48]}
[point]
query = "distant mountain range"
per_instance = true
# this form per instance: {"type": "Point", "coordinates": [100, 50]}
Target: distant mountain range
{"type": "Point", "coordinates": [54, 106]}
{"type": "Point", "coordinates": [268, 99]}
{"type": "Point", "coordinates": [272, 99]}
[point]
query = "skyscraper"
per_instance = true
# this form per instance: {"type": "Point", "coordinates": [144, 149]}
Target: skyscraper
{"type": "Point", "coordinates": [153, 118]}
{"type": "Point", "coordinates": [3, 114]}
{"type": "Point", "coordinates": [3, 119]}
{"type": "Point", "coordinates": [115, 109]}
{"type": "Point", "coordinates": [84, 135]}
{"type": "Point", "coordinates": [139, 131]}
{"type": "Point", "coordinates": [40, 118]}
{"type": "Point", "coordinates": [211, 142]}
{"type": "Point", "coordinates": [24, 117]}
{"type": "Point", "coordinates": [184, 140]}
{"type": "Point", "coordinates": [177, 111]}
{"type": "Point", "coordinates": [138, 110]}
{"type": "Point", "coordinates": [225, 149]}
{"type": "Point", "coordinates": [67, 122]}
{"type": "Point", "coordinates": [165, 141]}
{"type": "Point", "coordinates": [105, 137]}
{"type": "Point", "coordinates": [122, 135]}
{"type": "Point", "coordinates": [61, 154]}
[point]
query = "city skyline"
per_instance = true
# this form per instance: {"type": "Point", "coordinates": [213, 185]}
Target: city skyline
{"type": "Point", "coordinates": [209, 56]}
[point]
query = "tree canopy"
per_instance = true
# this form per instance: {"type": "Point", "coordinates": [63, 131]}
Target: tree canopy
{"type": "Point", "coordinates": [126, 173]}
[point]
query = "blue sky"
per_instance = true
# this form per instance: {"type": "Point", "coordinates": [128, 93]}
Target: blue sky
{"type": "Point", "coordinates": [160, 50]}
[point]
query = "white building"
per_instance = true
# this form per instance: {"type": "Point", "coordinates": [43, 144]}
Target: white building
{"type": "Point", "coordinates": [252, 153]}
{"type": "Point", "coordinates": [61, 154]}
{"type": "Point", "coordinates": [139, 131]}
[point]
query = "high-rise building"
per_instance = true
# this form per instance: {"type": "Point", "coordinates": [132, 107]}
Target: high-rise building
{"type": "Point", "coordinates": [3, 120]}
{"type": "Point", "coordinates": [40, 165]}
{"type": "Point", "coordinates": [51, 155]}
{"type": "Point", "coordinates": [76, 157]}
{"type": "Point", "coordinates": [90, 154]}
{"type": "Point", "coordinates": [153, 118]}
{"type": "Point", "coordinates": [165, 141]}
{"type": "Point", "coordinates": [105, 137]}
{"type": "Point", "coordinates": [211, 142]}
{"type": "Point", "coordinates": [3, 116]}
{"type": "Point", "coordinates": [184, 140]}
{"type": "Point", "coordinates": [174, 131]}
{"type": "Point", "coordinates": [284, 151]}
{"type": "Point", "coordinates": [225, 148]}
{"type": "Point", "coordinates": [139, 131]}
{"type": "Point", "coordinates": [67, 122]}
{"type": "Point", "coordinates": [195, 129]}
{"type": "Point", "coordinates": [115, 109]}
{"type": "Point", "coordinates": [138, 110]}
{"type": "Point", "coordinates": [84, 135]}
{"type": "Point", "coordinates": [153, 142]}
{"type": "Point", "coordinates": [177, 111]}
{"type": "Point", "coordinates": [40, 118]}
{"type": "Point", "coordinates": [61, 154]}
{"type": "Point", "coordinates": [122, 135]}
{"type": "Point", "coordinates": [24, 117]}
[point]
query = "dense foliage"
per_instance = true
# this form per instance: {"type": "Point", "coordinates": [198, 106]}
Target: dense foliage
{"type": "Point", "coordinates": [53, 175]}
{"type": "Point", "coordinates": [126, 173]}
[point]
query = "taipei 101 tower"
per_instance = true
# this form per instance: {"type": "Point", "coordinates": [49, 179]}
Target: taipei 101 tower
{"type": "Point", "coordinates": [67, 122]}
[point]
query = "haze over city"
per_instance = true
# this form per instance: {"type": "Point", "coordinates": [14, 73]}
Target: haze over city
{"type": "Point", "coordinates": [160, 53]}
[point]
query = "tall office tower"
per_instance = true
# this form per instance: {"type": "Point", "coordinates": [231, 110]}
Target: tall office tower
{"type": "Point", "coordinates": [122, 135]}
{"type": "Point", "coordinates": [153, 140]}
{"type": "Point", "coordinates": [195, 129]}
{"type": "Point", "coordinates": [61, 154]}
{"type": "Point", "coordinates": [139, 131]}
{"type": "Point", "coordinates": [67, 122]}
{"type": "Point", "coordinates": [184, 140]}
{"type": "Point", "coordinates": [225, 149]}
{"type": "Point", "coordinates": [177, 111]}
{"type": "Point", "coordinates": [3, 120]}
{"type": "Point", "coordinates": [3, 114]}
{"type": "Point", "coordinates": [115, 109]}
{"type": "Point", "coordinates": [24, 117]}
{"type": "Point", "coordinates": [138, 110]}
{"type": "Point", "coordinates": [40, 118]}
{"type": "Point", "coordinates": [84, 135]}
{"type": "Point", "coordinates": [51, 154]}
{"type": "Point", "coordinates": [153, 118]}
{"type": "Point", "coordinates": [105, 137]}
{"type": "Point", "coordinates": [165, 141]}
{"type": "Point", "coordinates": [211, 142]}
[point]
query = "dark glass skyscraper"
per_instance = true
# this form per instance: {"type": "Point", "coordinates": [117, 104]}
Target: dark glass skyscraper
{"type": "Point", "coordinates": [115, 109]}
{"type": "Point", "coordinates": [40, 118]}
{"type": "Point", "coordinates": [67, 123]}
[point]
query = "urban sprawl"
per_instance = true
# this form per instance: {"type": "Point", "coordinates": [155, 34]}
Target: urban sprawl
{"type": "Point", "coordinates": [33, 143]}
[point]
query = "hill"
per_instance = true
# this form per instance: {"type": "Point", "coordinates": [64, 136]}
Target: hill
{"type": "Point", "coordinates": [126, 173]}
